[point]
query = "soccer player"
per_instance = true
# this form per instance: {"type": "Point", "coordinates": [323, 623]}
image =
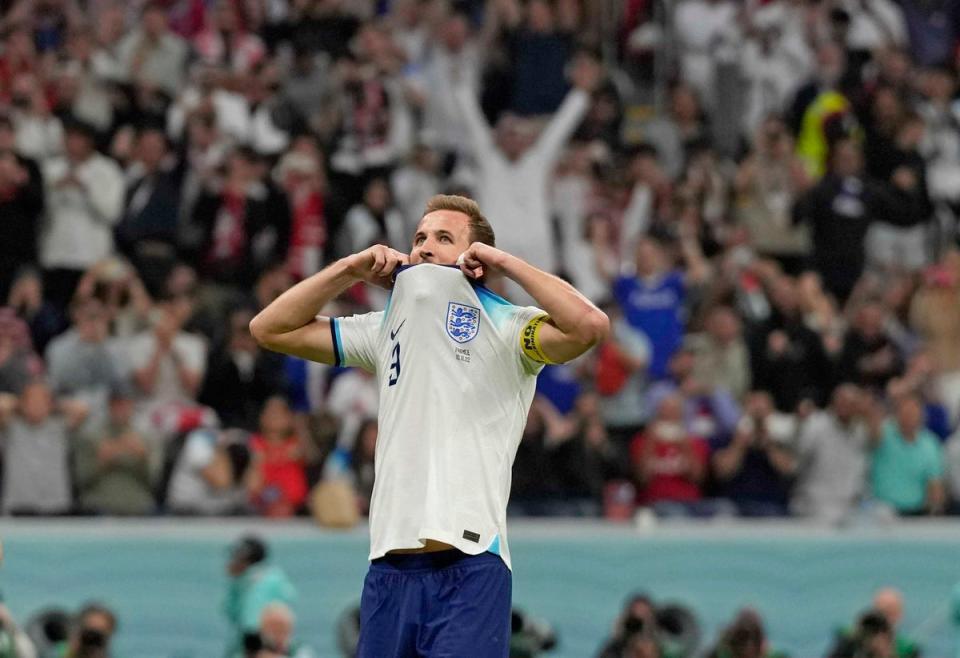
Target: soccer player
{"type": "Point", "coordinates": [456, 367]}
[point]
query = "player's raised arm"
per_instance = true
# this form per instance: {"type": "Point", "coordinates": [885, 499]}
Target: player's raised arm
{"type": "Point", "coordinates": [575, 324]}
{"type": "Point", "coordinates": [292, 324]}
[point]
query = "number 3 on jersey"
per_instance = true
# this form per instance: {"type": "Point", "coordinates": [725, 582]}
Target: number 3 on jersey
{"type": "Point", "coordinates": [395, 365]}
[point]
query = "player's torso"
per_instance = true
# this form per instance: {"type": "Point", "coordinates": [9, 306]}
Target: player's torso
{"type": "Point", "coordinates": [441, 355]}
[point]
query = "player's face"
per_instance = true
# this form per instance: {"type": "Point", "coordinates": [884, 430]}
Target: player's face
{"type": "Point", "coordinates": [441, 237]}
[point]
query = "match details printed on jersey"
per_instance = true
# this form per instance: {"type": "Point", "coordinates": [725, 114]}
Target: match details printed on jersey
{"type": "Point", "coordinates": [463, 322]}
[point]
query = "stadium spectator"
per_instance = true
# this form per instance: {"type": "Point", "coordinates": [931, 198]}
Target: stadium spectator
{"type": "Point", "coordinates": [308, 88]}
{"type": "Point", "coordinates": [39, 133]}
{"type": "Point", "coordinates": [701, 27]}
{"type": "Point", "coordinates": [301, 176]}
{"type": "Point", "coordinates": [652, 301]}
{"type": "Point", "coordinates": [84, 201]}
{"type": "Point", "coordinates": [787, 357]}
{"type": "Point", "coordinates": [539, 44]}
{"type": "Point", "coordinates": [940, 144]}
{"type": "Point", "coordinates": [26, 300]}
{"type": "Point", "coordinates": [935, 317]}
{"type": "Point", "coordinates": [454, 58]}
{"type": "Point", "coordinates": [869, 357]}
{"type": "Point", "coordinates": [721, 357]}
{"type": "Point", "coordinates": [414, 182]}
{"type": "Point", "coordinates": [152, 55]}
{"type": "Point", "coordinates": [374, 221]}
{"type": "Point", "coordinates": [673, 135]}
{"type": "Point", "coordinates": [513, 169]}
{"type": "Point", "coordinates": [708, 412]}
{"type": "Point", "coordinates": [116, 284]}
{"type": "Point", "coordinates": [903, 246]}
{"type": "Point", "coordinates": [669, 465]}
{"type": "Point", "coordinates": [240, 376]}
{"type": "Point", "coordinates": [168, 363]}
{"type": "Point", "coordinates": [621, 379]}
{"type": "Point", "coordinates": [766, 185]}
{"type": "Point", "coordinates": [147, 232]}
{"type": "Point", "coordinates": [116, 461]}
{"type": "Point", "coordinates": [81, 361]}
{"type": "Point", "coordinates": [581, 455]}
{"type": "Point", "coordinates": [226, 43]}
{"type": "Point", "coordinates": [207, 475]}
{"type": "Point", "coordinates": [277, 483]}
{"type": "Point", "coordinates": [533, 485]}
{"type": "Point", "coordinates": [235, 219]}
{"type": "Point", "coordinates": [362, 463]}
{"type": "Point", "coordinates": [352, 397]}
{"type": "Point", "coordinates": [21, 206]}
{"type": "Point", "coordinates": [754, 469]}
{"type": "Point", "coordinates": [376, 131]}
{"type": "Point", "coordinates": [19, 364]}
{"type": "Point", "coordinates": [840, 210]}
{"type": "Point", "coordinates": [38, 433]}
{"type": "Point", "coordinates": [774, 62]}
{"type": "Point", "coordinates": [832, 458]}
{"type": "Point", "coordinates": [907, 471]}
{"type": "Point", "coordinates": [253, 584]}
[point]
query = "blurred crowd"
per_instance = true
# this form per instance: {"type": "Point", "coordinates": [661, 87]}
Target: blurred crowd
{"type": "Point", "coordinates": [763, 196]}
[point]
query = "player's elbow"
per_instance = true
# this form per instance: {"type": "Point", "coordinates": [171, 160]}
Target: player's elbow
{"type": "Point", "coordinates": [595, 328]}
{"type": "Point", "coordinates": [260, 331]}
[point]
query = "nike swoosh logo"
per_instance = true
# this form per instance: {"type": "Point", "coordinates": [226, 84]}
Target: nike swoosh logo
{"type": "Point", "coordinates": [393, 334]}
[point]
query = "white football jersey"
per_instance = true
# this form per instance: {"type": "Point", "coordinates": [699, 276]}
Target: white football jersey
{"type": "Point", "coordinates": [455, 388]}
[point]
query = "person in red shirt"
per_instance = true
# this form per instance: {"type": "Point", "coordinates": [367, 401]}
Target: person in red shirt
{"type": "Point", "coordinates": [669, 465]}
{"type": "Point", "coordinates": [277, 482]}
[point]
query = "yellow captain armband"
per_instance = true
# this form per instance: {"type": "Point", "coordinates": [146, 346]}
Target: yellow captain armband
{"type": "Point", "coordinates": [530, 340]}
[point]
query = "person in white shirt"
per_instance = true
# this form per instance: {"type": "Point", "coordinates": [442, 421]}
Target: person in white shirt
{"type": "Point", "coordinates": [453, 59]}
{"type": "Point", "coordinates": [514, 174]}
{"type": "Point", "coordinates": [84, 195]}
{"type": "Point", "coordinates": [456, 367]}
{"type": "Point", "coordinates": [168, 363]}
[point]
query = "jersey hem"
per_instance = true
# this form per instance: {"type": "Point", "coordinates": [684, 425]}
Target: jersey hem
{"type": "Point", "coordinates": [467, 547]}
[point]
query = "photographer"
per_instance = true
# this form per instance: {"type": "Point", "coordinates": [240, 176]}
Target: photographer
{"type": "Point", "coordinates": [91, 635]}
{"type": "Point", "coordinates": [254, 585]}
{"type": "Point", "coordinates": [635, 631]}
{"type": "Point", "coordinates": [274, 638]}
{"type": "Point", "coordinates": [872, 637]}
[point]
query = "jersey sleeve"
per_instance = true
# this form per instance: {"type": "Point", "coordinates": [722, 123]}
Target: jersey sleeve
{"type": "Point", "coordinates": [355, 340]}
{"type": "Point", "coordinates": [521, 330]}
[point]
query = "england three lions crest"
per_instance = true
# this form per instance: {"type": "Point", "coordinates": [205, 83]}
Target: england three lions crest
{"type": "Point", "coordinates": [463, 322]}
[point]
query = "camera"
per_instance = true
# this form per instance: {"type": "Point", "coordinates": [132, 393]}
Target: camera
{"type": "Point", "coordinates": [92, 638]}
{"type": "Point", "coordinates": [254, 643]}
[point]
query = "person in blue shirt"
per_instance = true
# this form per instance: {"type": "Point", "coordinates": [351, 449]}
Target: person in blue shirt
{"type": "Point", "coordinates": [908, 471]}
{"type": "Point", "coordinates": [653, 297]}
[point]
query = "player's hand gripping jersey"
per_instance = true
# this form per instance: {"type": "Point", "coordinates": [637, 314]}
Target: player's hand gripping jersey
{"type": "Point", "coordinates": [456, 376]}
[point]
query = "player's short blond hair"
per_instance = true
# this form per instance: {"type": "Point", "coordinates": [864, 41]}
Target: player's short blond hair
{"type": "Point", "coordinates": [480, 229]}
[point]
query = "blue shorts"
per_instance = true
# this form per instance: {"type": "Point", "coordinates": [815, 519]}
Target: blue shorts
{"type": "Point", "coordinates": [436, 605]}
